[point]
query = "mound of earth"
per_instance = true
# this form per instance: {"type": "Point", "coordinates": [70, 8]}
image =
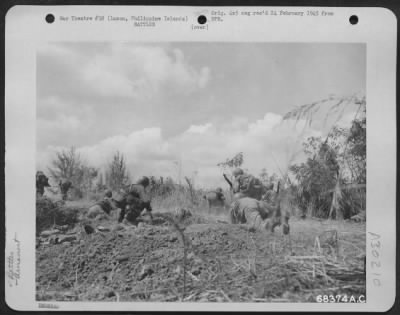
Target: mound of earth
{"type": "Point", "coordinates": [197, 259]}
{"type": "Point", "coordinates": [50, 213]}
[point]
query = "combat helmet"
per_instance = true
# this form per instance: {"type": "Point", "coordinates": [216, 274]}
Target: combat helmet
{"type": "Point", "coordinates": [238, 171]}
{"type": "Point", "coordinates": [144, 181]}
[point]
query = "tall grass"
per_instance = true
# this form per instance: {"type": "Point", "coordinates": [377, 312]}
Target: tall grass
{"type": "Point", "coordinates": [184, 198]}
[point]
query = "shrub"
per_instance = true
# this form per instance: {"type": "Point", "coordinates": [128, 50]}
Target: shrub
{"type": "Point", "coordinates": [49, 213]}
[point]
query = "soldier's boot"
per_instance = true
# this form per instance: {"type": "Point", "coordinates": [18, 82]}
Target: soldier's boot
{"type": "Point", "coordinates": [285, 225]}
{"type": "Point", "coordinates": [151, 218]}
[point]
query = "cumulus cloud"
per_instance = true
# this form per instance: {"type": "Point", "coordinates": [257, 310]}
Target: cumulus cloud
{"type": "Point", "coordinates": [139, 147]}
{"type": "Point", "coordinates": [63, 122]}
{"type": "Point", "coordinates": [200, 148]}
{"type": "Point", "coordinates": [123, 70]}
{"type": "Point", "coordinates": [137, 85]}
{"type": "Point", "coordinates": [264, 126]}
{"type": "Point", "coordinates": [199, 128]}
{"type": "Point", "coordinates": [103, 97]}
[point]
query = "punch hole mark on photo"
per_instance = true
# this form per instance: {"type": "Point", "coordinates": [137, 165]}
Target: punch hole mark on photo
{"type": "Point", "coordinates": [50, 18]}
{"type": "Point", "coordinates": [202, 19]}
{"type": "Point", "coordinates": [353, 19]}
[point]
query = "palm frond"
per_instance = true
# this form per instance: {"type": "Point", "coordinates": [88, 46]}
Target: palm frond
{"type": "Point", "coordinates": [336, 105]}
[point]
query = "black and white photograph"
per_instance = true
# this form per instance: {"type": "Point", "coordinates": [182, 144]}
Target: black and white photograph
{"type": "Point", "coordinates": [200, 158]}
{"type": "Point", "coordinates": [201, 172]}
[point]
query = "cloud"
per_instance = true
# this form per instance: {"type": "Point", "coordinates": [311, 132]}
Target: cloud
{"type": "Point", "coordinates": [136, 85]}
{"type": "Point", "coordinates": [63, 122]}
{"type": "Point", "coordinates": [121, 70]}
{"type": "Point", "coordinates": [200, 148]}
{"type": "Point", "coordinates": [103, 97]}
{"type": "Point", "coordinates": [199, 128]}
{"type": "Point", "coordinates": [264, 126]}
{"type": "Point", "coordinates": [104, 79]}
{"type": "Point", "coordinates": [144, 145]}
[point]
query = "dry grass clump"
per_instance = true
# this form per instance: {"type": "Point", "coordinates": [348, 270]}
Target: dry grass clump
{"type": "Point", "coordinates": [182, 199]}
{"type": "Point", "coordinates": [171, 201]}
{"type": "Point", "coordinates": [273, 268]}
{"type": "Point", "coordinates": [50, 213]}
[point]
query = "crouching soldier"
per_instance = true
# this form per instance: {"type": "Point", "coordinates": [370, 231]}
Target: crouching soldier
{"type": "Point", "coordinates": [135, 201]}
{"type": "Point", "coordinates": [133, 209]}
{"type": "Point", "coordinates": [215, 198]}
{"type": "Point", "coordinates": [42, 181]}
{"type": "Point", "coordinates": [102, 207]}
{"type": "Point", "coordinates": [246, 185]}
{"type": "Point", "coordinates": [106, 204]}
{"type": "Point", "coordinates": [258, 215]}
{"type": "Point", "coordinates": [270, 195]}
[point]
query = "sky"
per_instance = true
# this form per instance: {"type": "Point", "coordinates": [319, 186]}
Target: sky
{"type": "Point", "coordinates": [195, 103]}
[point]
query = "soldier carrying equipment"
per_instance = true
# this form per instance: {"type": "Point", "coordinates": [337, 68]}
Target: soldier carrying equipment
{"type": "Point", "coordinates": [135, 201]}
{"type": "Point", "coordinates": [245, 185]}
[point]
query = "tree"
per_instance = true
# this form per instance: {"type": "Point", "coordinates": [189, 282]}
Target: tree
{"type": "Point", "coordinates": [117, 175]}
{"type": "Point", "coordinates": [66, 166]}
{"type": "Point", "coordinates": [86, 178]}
{"type": "Point", "coordinates": [349, 194]}
{"type": "Point", "coordinates": [231, 164]}
{"type": "Point", "coordinates": [316, 176]}
{"type": "Point", "coordinates": [357, 150]}
{"type": "Point", "coordinates": [100, 182]}
{"type": "Point", "coordinates": [333, 177]}
{"type": "Point", "coordinates": [342, 152]}
{"type": "Point", "coordinates": [69, 166]}
{"type": "Point", "coordinates": [336, 107]}
{"type": "Point", "coordinates": [234, 162]}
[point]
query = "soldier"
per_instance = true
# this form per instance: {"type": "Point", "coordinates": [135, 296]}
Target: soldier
{"type": "Point", "coordinates": [215, 198]}
{"type": "Point", "coordinates": [135, 201]}
{"type": "Point", "coordinates": [258, 215]}
{"type": "Point", "coordinates": [105, 205]}
{"type": "Point", "coordinates": [140, 188]}
{"type": "Point", "coordinates": [107, 194]}
{"type": "Point", "coordinates": [220, 193]}
{"type": "Point", "coordinates": [42, 181]}
{"type": "Point", "coordinates": [246, 185]}
{"type": "Point", "coordinates": [65, 186]}
{"type": "Point", "coordinates": [236, 185]}
{"type": "Point", "coordinates": [134, 208]}
{"type": "Point", "coordinates": [270, 195]}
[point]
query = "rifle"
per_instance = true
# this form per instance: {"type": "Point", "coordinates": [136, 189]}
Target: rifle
{"type": "Point", "coordinates": [227, 179]}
